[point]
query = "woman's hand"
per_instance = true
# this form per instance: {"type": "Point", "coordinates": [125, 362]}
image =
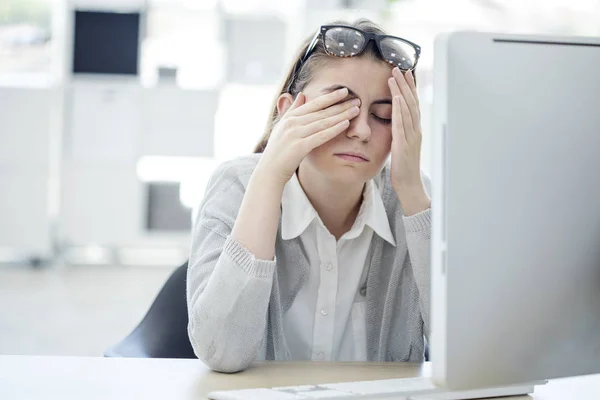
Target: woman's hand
{"type": "Point", "coordinates": [303, 127]}
{"type": "Point", "coordinates": [406, 144]}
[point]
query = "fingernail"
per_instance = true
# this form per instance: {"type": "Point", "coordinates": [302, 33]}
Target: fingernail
{"type": "Point", "coordinates": [342, 91]}
{"type": "Point", "coordinates": [356, 102]}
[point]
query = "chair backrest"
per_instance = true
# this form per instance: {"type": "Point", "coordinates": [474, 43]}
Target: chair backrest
{"type": "Point", "coordinates": [162, 333]}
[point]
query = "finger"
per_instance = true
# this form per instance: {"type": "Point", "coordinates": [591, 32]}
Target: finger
{"type": "Point", "coordinates": [325, 135]}
{"type": "Point", "coordinates": [322, 124]}
{"type": "Point", "coordinates": [397, 123]}
{"type": "Point", "coordinates": [405, 88]}
{"type": "Point", "coordinates": [408, 96]}
{"type": "Point", "coordinates": [407, 121]}
{"type": "Point", "coordinates": [321, 102]}
{"type": "Point", "coordinates": [394, 88]}
{"type": "Point", "coordinates": [328, 112]}
{"type": "Point", "coordinates": [410, 78]}
{"type": "Point", "coordinates": [298, 101]}
{"type": "Point", "coordinates": [402, 120]}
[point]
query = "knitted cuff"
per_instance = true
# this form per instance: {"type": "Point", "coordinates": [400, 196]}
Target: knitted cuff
{"type": "Point", "coordinates": [246, 260]}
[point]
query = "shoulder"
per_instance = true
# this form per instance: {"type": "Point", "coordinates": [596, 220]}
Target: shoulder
{"type": "Point", "coordinates": [227, 185]}
{"type": "Point", "coordinates": [236, 170]}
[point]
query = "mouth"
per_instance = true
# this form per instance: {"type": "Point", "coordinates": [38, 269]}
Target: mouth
{"type": "Point", "coordinates": [355, 157]}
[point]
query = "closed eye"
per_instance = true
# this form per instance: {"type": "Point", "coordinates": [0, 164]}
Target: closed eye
{"type": "Point", "coordinates": [382, 120]}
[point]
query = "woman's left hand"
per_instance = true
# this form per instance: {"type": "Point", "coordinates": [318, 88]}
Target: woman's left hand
{"type": "Point", "coordinates": [406, 144]}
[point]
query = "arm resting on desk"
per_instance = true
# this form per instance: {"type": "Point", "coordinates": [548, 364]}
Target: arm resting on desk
{"type": "Point", "coordinates": [228, 288]}
{"type": "Point", "coordinates": [228, 296]}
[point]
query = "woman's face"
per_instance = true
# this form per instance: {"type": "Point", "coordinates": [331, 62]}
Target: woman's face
{"type": "Point", "coordinates": [370, 133]}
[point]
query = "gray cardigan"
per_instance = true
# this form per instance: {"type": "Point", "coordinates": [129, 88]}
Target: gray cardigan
{"type": "Point", "coordinates": [236, 301]}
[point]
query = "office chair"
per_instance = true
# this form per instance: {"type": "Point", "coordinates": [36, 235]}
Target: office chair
{"type": "Point", "coordinates": [162, 333]}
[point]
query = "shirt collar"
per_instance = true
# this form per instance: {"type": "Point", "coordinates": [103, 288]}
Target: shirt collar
{"type": "Point", "coordinates": [298, 212]}
{"type": "Point", "coordinates": [372, 213]}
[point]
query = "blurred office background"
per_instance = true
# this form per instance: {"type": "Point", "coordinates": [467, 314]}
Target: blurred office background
{"type": "Point", "coordinates": [113, 114]}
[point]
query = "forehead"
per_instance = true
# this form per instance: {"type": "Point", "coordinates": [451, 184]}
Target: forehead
{"type": "Point", "coordinates": [365, 76]}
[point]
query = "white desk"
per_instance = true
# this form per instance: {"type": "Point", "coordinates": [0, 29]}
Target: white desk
{"type": "Point", "coordinates": [26, 377]}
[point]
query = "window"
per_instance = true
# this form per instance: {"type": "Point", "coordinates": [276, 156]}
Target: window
{"type": "Point", "coordinates": [25, 36]}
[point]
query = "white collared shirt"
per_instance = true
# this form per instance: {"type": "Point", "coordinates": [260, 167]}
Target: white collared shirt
{"type": "Point", "coordinates": [327, 318]}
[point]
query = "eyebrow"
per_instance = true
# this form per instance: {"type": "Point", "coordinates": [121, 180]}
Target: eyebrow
{"type": "Point", "coordinates": [353, 94]}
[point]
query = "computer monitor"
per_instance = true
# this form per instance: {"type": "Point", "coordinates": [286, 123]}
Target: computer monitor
{"type": "Point", "coordinates": [515, 208]}
{"type": "Point", "coordinates": [106, 42]}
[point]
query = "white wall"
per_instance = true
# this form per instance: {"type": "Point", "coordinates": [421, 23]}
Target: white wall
{"type": "Point", "coordinates": [178, 122]}
{"type": "Point", "coordinates": [26, 117]}
{"type": "Point", "coordinates": [111, 125]}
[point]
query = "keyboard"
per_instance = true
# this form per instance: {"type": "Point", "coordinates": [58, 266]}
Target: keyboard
{"type": "Point", "coordinates": [402, 389]}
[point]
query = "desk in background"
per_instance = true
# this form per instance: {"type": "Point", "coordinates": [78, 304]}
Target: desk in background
{"type": "Point", "coordinates": [65, 378]}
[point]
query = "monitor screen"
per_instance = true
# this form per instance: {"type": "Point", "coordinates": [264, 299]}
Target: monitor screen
{"type": "Point", "coordinates": [106, 43]}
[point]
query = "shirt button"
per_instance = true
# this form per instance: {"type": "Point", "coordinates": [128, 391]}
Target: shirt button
{"type": "Point", "coordinates": [329, 267]}
{"type": "Point", "coordinates": [324, 312]}
{"type": "Point", "coordinates": [321, 355]}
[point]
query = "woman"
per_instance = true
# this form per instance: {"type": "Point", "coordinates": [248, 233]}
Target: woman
{"type": "Point", "coordinates": [316, 247]}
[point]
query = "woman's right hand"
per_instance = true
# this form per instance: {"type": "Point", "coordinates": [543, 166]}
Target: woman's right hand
{"type": "Point", "coordinates": [304, 127]}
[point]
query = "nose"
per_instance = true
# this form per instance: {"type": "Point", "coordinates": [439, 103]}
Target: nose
{"type": "Point", "coordinates": [359, 127]}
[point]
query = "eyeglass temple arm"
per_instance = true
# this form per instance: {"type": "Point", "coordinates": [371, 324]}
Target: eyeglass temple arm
{"type": "Point", "coordinates": [312, 44]}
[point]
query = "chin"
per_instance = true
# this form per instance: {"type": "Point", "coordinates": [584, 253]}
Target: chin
{"type": "Point", "coordinates": [347, 174]}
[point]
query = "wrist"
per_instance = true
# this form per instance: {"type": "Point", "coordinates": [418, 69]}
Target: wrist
{"type": "Point", "coordinates": [412, 189]}
{"type": "Point", "coordinates": [268, 179]}
{"type": "Point", "coordinates": [413, 198]}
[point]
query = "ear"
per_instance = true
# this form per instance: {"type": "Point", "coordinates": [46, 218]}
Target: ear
{"type": "Point", "coordinates": [284, 102]}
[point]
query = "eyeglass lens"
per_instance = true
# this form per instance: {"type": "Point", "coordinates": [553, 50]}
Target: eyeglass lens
{"type": "Point", "coordinates": [347, 42]}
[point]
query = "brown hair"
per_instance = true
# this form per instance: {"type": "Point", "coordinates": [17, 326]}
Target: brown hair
{"type": "Point", "coordinates": [317, 59]}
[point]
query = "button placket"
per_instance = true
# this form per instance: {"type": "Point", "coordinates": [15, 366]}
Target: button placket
{"type": "Point", "coordinates": [326, 297]}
